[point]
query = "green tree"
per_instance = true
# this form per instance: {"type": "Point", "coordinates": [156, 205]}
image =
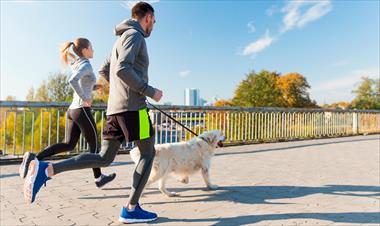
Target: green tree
{"type": "Point", "coordinates": [42, 93]}
{"type": "Point", "coordinates": [259, 90]}
{"type": "Point", "coordinates": [55, 88]}
{"type": "Point", "coordinates": [367, 94]}
{"type": "Point", "coordinates": [30, 95]}
{"type": "Point", "coordinates": [377, 93]}
{"type": "Point", "coordinates": [58, 87]}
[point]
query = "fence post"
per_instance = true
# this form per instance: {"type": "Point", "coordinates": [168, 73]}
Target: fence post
{"type": "Point", "coordinates": [355, 124]}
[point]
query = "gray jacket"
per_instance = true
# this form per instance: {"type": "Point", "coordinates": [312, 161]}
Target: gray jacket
{"type": "Point", "coordinates": [82, 81]}
{"type": "Point", "coordinates": [126, 70]}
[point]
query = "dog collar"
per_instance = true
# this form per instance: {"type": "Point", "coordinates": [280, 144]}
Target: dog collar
{"type": "Point", "coordinates": [204, 139]}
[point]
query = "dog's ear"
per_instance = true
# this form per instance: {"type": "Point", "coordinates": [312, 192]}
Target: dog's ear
{"type": "Point", "coordinates": [212, 139]}
{"type": "Point", "coordinates": [208, 139]}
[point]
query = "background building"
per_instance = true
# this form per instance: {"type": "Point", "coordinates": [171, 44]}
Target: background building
{"type": "Point", "coordinates": [192, 97]}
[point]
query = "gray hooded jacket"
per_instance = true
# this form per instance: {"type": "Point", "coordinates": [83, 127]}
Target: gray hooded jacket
{"type": "Point", "coordinates": [82, 81]}
{"type": "Point", "coordinates": [126, 70]}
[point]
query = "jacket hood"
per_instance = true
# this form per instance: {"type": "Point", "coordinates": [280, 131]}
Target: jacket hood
{"type": "Point", "coordinates": [129, 24]}
{"type": "Point", "coordinates": [76, 64]}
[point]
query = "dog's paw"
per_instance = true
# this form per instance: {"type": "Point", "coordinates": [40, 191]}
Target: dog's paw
{"type": "Point", "coordinates": [172, 194]}
{"type": "Point", "coordinates": [212, 187]}
{"type": "Point", "coordinates": [184, 180]}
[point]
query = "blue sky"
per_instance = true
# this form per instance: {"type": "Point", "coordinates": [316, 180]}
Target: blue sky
{"type": "Point", "coordinates": [209, 45]}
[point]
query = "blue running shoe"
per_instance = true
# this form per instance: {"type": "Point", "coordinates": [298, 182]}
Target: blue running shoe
{"type": "Point", "coordinates": [35, 179]}
{"type": "Point", "coordinates": [27, 158]}
{"type": "Point", "coordinates": [149, 214]}
{"type": "Point", "coordinates": [138, 215]}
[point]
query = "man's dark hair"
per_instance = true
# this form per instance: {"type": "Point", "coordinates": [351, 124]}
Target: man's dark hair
{"type": "Point", "coordinates": [141, 9]}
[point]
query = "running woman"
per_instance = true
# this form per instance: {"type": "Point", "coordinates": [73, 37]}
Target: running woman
{"type": "Point", "coordinates": [79, 117]}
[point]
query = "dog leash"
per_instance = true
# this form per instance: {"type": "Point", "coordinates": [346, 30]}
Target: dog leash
{"type": "Point", "coordinates": [194, 133]}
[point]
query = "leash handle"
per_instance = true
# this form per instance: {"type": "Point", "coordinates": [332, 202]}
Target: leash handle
{"type": "Point", "coordinates": [172, 118]}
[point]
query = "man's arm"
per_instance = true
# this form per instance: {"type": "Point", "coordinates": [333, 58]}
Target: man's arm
{"type": "Point", "coordinates": [125, 70]}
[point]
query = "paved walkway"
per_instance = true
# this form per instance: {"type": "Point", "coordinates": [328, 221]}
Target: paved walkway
{"type": "Point", "coordinates": [318, 182]}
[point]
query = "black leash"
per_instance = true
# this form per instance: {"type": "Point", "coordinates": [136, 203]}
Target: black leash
{"type": "Point", "coordinates": [194, 133]}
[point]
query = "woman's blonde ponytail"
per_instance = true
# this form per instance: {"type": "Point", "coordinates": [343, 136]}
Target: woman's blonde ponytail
{"type": "Point", "coordinates": [66, 54]}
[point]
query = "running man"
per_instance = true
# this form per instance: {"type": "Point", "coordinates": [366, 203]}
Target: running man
{"type": "Point", "coordinates": [127, 115]}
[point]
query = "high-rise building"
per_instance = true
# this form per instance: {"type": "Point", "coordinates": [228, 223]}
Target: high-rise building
{"type": "Point", "coordinates": [202, 102]}
{"type": "Point", "coordinates": [192, 97]}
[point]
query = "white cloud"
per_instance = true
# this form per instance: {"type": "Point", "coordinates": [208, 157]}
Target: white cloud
{"type": "Point", "coordinates": [184, 73]}
{"type": "Point", "coordinates": [129, 4]}
{"type": "Point", "coordinates": [292, 14]}
{"type": "Point", "coordinates": [258, 45]}
{"type": "Point", "coordinates": [315, 12]}
{"type": "Point", "coordinates": [338, 83]}
{"type": "Point", "coordinates": [251, 27]}
{"type": "Point", "coordinates": [297, 14]}
{"type": "Point", "coordinates": [272, 10]}
{"type": "Point", "coordinates": [350, 80]}
{"type": "Point", "coordinates": [340, 89]}
{"type": "Point", "coordinates": [300, 13]}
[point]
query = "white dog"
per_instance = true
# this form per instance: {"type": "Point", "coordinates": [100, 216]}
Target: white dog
{"type": "Point", "coordinates": [183, 159]}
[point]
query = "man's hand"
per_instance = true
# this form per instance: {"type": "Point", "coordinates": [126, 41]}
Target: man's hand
{"type": "Point", "coordinates": [157, 95]}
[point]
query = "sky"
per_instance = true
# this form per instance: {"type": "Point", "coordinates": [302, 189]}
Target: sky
{"type": "Point", "coordinates": [208, 45]}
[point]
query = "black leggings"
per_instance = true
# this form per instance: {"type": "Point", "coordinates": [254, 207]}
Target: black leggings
{"type": "Point", "coordinates": [79, 121]}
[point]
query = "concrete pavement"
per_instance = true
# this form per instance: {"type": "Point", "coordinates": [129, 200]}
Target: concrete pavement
{"type": "Point", "coordinates": [316, 182]}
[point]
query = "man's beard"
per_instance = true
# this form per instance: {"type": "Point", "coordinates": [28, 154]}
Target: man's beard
{"type": "Point", "coordinates": [148, 31]}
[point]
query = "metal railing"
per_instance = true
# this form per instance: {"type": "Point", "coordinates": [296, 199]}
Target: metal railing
{"type": "Point", "coordinates": [31, 126]}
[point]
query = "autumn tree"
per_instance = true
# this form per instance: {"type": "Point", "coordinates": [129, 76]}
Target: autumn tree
{"type": "Point", "coordinates": [222, 103]}
{"type": "Point", "coordinates": [294, 88]}
{"type": "Point", "coordinates": [101, 96]}
{"type": "Point", "coordinates": [10, 98]}
{"type": "Point", "coordinates": [337, 105]}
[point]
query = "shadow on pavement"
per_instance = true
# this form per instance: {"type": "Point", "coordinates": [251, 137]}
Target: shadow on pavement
{"type": "Point", "coordinates": [295, 146]}
{"type": "Point", "coordinates": [350, 217]}
{"type": "Point", "coordinates": [264, 194]}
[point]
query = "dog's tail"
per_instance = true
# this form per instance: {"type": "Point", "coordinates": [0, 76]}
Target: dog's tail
{"type": "Point", "coordinates": [135, 155]}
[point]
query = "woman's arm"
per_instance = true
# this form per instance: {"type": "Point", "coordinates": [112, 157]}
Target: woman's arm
{"type": "Point", "coordinates": [74, 81]}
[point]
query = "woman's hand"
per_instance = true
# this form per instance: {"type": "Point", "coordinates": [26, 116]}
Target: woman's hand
{"type": "Point", "coordinates": [98, 87]}
{"type": "Point", "coordinates": [87, 103]}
